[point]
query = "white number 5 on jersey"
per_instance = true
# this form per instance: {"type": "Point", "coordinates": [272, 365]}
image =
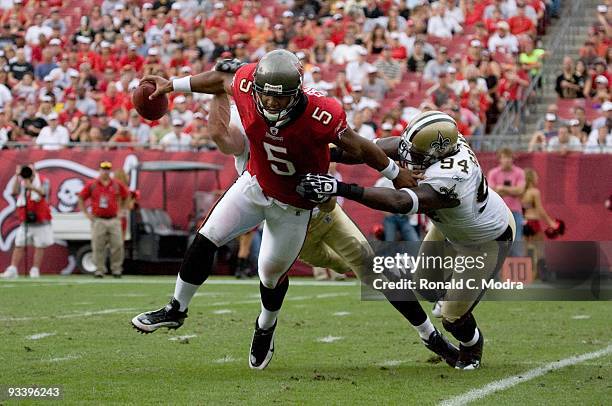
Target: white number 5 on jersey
{"type": "Point", "coordinates": [284, 167]}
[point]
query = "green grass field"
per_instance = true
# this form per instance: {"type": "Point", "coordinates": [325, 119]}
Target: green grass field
{"type": "Point", "coordinates": [331, 348]}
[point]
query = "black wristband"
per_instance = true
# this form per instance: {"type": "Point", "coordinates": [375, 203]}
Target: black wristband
{"type": "Point", "coordinates": [335, 154]}
{"type": "Point", "coordinates": [350, 190]}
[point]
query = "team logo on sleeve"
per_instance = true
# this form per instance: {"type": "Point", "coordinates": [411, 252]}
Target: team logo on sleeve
{"type": "Point", "coordinates": [441, 143]}
{"type": "Point", "coordinates": [449, 193]}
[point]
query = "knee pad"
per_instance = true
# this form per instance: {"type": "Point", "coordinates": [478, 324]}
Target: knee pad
{"type": "Point", "coordinates": [198, 260]}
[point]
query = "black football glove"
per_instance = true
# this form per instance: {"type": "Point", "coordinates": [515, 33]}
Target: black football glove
{"type": "Point", "coordinates": [317, 188]}
{"type": "Point", "coordinates": [228, 65]}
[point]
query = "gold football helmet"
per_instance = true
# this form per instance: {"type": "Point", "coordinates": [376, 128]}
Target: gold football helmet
{"type": "Point", "coordinates": [430, 137]}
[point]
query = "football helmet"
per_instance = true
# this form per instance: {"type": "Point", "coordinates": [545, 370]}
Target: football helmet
{"type": "Point", "coordinates": [279, 73]}
{"type": "Point", "coordinates": [430, 137]}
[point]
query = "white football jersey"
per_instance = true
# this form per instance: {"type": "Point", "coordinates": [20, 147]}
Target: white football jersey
{"type": "Point", "coordinates": [481, 215]}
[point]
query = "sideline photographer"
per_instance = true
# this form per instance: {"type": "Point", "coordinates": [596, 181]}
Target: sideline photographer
{"type": "Point", "coordinates": [31, 191]}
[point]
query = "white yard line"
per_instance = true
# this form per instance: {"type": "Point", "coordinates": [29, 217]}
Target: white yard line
{"type": "Point", "coordinates": [225, 360]}
{"type": "Point", "coordinates": [39, 336]}
{"type": "Point", "coordinates": [390, 363]}
{"type": "Point", "coordinates": [506, 383]}
{"type": "Point", "coordinates": [223, 311]}
{"type": "Point", "coordinates": [129, 310]}
{"type": "Point", "coordinates": [67, 358]}
{"type": "Point", "coordinates": [69, 316]}
{"type": "Point", "coordinates": [181, 338]}
{"type": "Point", "coordinates": [78, 280]}
{"type": "Point", "coordinates": [340, 314]}
{"type": "Point", "coordinates": [329, 339]}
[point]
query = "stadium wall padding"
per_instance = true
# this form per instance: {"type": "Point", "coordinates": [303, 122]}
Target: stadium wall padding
{"type": "Point", "coordinates": [574, 188]}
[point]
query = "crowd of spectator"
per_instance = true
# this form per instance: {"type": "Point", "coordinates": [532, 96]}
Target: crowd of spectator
{"type": "Point", "coordinates": [68, 66]}
{"type": "Point", "coordinates": [581, 120]}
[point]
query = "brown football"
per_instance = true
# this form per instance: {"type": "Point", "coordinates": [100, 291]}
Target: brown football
{"type": "Point", "coordinates": [149, 109]}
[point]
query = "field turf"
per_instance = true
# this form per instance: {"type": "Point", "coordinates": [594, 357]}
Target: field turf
{"type": "Point", "coordinates": [331, 348]}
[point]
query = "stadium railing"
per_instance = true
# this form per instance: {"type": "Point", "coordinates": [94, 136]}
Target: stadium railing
{"type": "Point", "coordinates": [565, 38]}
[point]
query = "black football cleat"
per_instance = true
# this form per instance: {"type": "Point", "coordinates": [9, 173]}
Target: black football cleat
{"type": "Point", "coordinates": [168, 316]}
{"type": "Point", "coordinates": [262, 347]}
{"type": "Point", "coordinates": [444, 348]}
{"type": "Point", "coordinates": [469, 357]}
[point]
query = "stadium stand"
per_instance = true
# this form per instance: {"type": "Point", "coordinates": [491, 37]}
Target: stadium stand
{"type": "Point", "coordinates": [475, 59]}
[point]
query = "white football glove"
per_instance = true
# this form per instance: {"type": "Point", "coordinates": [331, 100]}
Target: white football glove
{"type": "Point", "coordinates": [317, 188]}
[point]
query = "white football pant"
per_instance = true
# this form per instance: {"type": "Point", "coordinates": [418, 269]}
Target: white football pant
{"type": "Point", "coordinates": [245, 206]}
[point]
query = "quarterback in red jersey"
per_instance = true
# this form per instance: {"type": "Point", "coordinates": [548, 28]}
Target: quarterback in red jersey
{"type": "Point", "coordinates": [289, 130]}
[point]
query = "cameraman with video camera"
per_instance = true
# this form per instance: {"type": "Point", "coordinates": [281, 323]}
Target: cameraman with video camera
{"type": "Point", "coordinates": [30, 190]}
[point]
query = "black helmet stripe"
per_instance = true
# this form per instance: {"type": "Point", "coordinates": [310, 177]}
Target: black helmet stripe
{"type": "Point", "coordinates": [426, 121]}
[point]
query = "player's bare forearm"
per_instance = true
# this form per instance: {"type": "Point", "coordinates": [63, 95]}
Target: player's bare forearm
{"type": "Point", "coordinates": [363, 150]}
{"type": "Point", "coordinates": [211, 82]}
{"type": "Point", "coordinates": [388, 145]}
{"type": "Point", "coordinates": [399, 201]}
{"type": "Point", "coordinates": [229, 140]}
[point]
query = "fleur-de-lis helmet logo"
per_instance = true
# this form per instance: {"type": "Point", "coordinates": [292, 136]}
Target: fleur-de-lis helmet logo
{"type": "Point", "coordinates": [441, 143]}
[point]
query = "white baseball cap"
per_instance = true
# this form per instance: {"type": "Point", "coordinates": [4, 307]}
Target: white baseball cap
{"type": "Point", "coordinates": [180, 99]}
{"type": "Point", "coordinates": [147, 6]}
{"type": "Point", "coordinates": [83, 40]}
{"type": "Point", "coordinates": [551, 117]}
{"type": "Point", "coordinates": [574, 122]}
{"type": "Point", "coordinates": [357, 88]}
{"type": "Point", "coordinates": [45, 98]}
{"type": "Point", "coordinates": [52, 116]}
{"type": "Point", "coordinates": [601, 79]}
{"type": "Point", "coordinates": [372, 69]}
{"type": "Point", "coordinates": [287, 14]}
{"type": "Point", "coordinates": [177, 122]}
{"type": "Point", "coordinates": [153, 52]}
{"type": "Point", "coordinates": [55, 41]}
{"type": "Point", "coordinates": [48, 78]}
{"type": "Point", "coordinates": [387, 126]}
{"type": "Point", "coordinates": [347, 100]}
{"type": "Point", "coordinates": [607, 106]}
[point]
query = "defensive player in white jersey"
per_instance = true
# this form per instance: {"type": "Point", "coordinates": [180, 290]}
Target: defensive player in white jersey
{"type": "Point", "coordinates": [333, 240]}
{"type": "Point", "coordinates": [477, 223]}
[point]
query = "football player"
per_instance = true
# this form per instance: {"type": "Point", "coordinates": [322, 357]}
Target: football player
{"type": "Point", "coordinates": [288, 130]}
{"type": "Point", "coordinates": [454, 194]}
{"type": "Point", "coordinates": [333, 240]}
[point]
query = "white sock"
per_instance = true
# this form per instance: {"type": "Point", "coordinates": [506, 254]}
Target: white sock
{"type": "Point", "coordinates": [425, 329]}
{"type": "Point", "coordinates": [34, 269]}
{"type": "Point", "coordinates": [266, 318]}
{"type": "Point", "coordinates": [474, 339]}
{"type": "Point", "coordinates": [11, 268]}
{"type": "Point", "coordinates": [183, 292]}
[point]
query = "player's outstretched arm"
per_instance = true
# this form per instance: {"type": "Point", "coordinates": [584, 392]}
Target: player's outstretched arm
{"type": "Point", "coordinates": [388, 145]}
{"type": "Point", "coordinates": [211, 82]}
{"type": "Point", "coordinates": [419, 199]}
{"type": "Point", "coordinates": [372, 155]}
{"type": "Point", "coordinates": [228, 138]}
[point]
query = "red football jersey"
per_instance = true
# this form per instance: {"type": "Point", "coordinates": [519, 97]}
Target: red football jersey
{"type": "Point", "coordinates": [278, 156]}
